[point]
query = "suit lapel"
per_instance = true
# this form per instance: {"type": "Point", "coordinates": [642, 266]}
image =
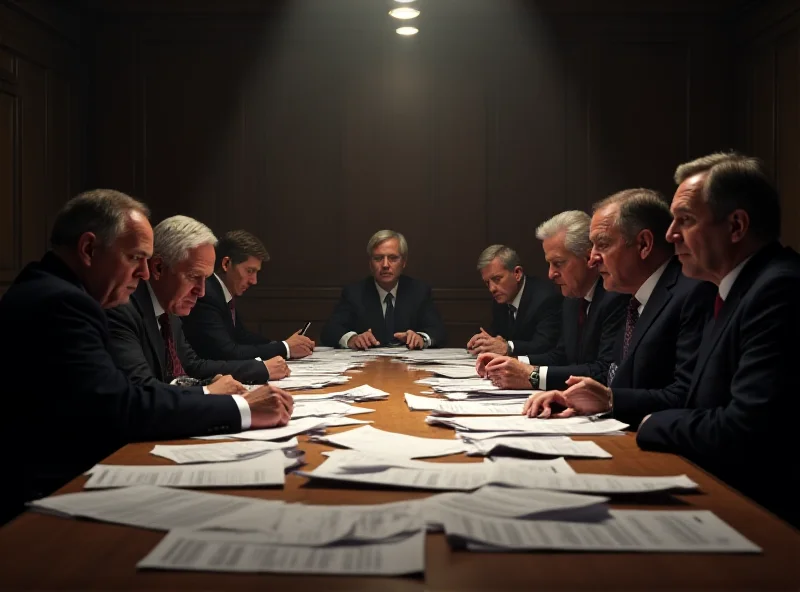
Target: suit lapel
{"type": "Point", "coordinates": [525, 311]}
{"type": "Point", "coordinates": [374, 310]}
{"type": "Point", "coordinates": [402, 308]}
{"type": "Point", "coordinates": [571, 313]}
{"type": "Point", "coordinates": [142, 301]}
{"type": "Point", "coordinates": [661, 295]}
{"type": "Point", "coordinates": [214, 292]}
{"type": "Point", "coordinates": [592, 317]}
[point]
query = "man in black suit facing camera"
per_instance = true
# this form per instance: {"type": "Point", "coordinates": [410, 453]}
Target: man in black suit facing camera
{"type": "Point", "coordinates": [387, 307]}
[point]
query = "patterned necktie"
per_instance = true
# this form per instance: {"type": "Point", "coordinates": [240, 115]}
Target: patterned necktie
{"type": "Point", "coordinates": [174, 368]}
{"type": "Point", "coordinates": [718, 305]}
{"type": "Point", "coordinates": [388, 316]}
{"type": "Point", "coordinates": [630, 324]}
{"type": "Point", "coordinates": [232, 306]}
{"type": "Point", "coordinates": [512, 319]}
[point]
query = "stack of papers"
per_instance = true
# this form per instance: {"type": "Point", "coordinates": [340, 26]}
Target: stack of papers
{"type": "Point", "coordinates": [321, 408]}
{"type": "Point", "coordinates": [482, 407]}
{"type": "Point", "coordinates": [380, 443]}
{"type": "Point", "coordinates": [223, 452]}
{"type": "Point", "coordinates": [294, 427]}
{"type": "Point", "coordinates": [357, 394]}
{"type": "Point", "coordinates": [309, 382]}
{"type": "Point", "coordinates": [526, 425]}
{"type": "Point", "coordinates": [544, 446]}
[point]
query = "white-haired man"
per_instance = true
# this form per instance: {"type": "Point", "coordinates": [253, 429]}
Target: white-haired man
{"type": "Point", "coordinates": [387, 307]}
{"type": "Point", "coordinates": [147, 340]}
{"type": "Point", "coordinates": [591, 318]}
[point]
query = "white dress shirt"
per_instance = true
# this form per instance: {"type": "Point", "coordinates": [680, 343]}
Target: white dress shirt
{"type": "Point", "coordinates": [229, 297]}
{"type": "Point", "coordinates": [543, 369]}
{"type": "Point", "coordinates": [727, 282]}
{"type": "Point", "coordinates": [241, 403]}
{"type": "Point", "coordinates": [382, 297]}
{"type": "Point", "coordinates": [646, 289]}
{"type": "Point", "coordinates": [515, 304]}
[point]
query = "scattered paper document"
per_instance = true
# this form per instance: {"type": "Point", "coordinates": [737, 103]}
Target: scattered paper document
{"type": "Point", "coordinates": [223, 452]}
{"type": "Point", "coordinates": [545, 446]}
{"type": "Point", "coordinates": [567, 426]}
{"type": "Point", "coordinates": [441, 407]}
{"type": "Point", "coordinates": [238, 552]}
{"type": "Point", "coordinates": [641, 531]}
{"type": "Point", "coordinates": [307, 408]}
{"type": "Point", "coordinates": [299, 426]}
{"type": "Point", "coordinates": [380, 442]}
{"type": "Point", "coordinates": [357, 394]}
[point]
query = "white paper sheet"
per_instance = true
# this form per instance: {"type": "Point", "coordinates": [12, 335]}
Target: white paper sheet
{"type": "Point", "coordinates": [357, 394]}
{"type": "Point", "coordinates": [223, 452]}
{"type": "Point", "coordinates": [441, 407]}
{"type": "Point", "coordinates": [381, 442]}
{"type": "Point", "coordinates": [306, 408]}
{"type": "Point", "coordinates": [237, 552]}
{"type": "Point", "coordinates": [264, 470]}
{"type": "Point", "coordinates": [546, 446]}
{"type": "Point", "coordinates": [294, 427]}
{"type": "Point", "coordinates": [567, 426]}
{"type": "Point", "coordinates": [680, 531]}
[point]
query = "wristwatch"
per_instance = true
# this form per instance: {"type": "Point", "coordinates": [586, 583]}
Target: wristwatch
{"type": "Point", "coordinates": [534, 378]}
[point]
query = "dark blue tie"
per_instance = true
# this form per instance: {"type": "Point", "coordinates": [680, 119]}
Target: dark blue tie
{"type": "Point", "coordinates": [388, 316]}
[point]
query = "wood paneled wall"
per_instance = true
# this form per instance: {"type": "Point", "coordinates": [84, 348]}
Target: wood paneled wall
{"type": "Point", "coordinates": [42, 90]}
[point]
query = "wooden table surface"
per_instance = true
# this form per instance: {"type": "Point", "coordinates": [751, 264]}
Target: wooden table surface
{"type": "Point", "coordinates": [46, 552]}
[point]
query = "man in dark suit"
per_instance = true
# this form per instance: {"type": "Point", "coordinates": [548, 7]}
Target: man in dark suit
{"type": "Point", "coordinates": [735, 414]}
{"type": "Point", "coordinates": [387, 307]}
{"type": "Point", "coordinates": [591, 318]}
{"type": "Point", "coordinates": [215, 327]}
{"type": "Point", "coordinates": [526, 312]}
{"type": "Point", "coordinates": [85, 407]}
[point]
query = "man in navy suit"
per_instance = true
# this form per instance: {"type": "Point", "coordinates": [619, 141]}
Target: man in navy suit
{"type": "Point", "coordinates": [101, 241]}
{"type": "Point", "coordinates": [526, 312]}
{"type": "Point", "coordinates": [590, 321]}
{"type": "Point", "coordinates": [215, 327]}
{"type": "Point", "coordinates": [387, 307]}
{"type": "Point", "coordinates": [735, 414]}
{"type": "Point", "coordinates": [147, 340]}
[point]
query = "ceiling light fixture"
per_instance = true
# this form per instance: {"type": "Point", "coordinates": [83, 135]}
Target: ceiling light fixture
{"type": "Point", "coordinates": [404, 1]}
{"type": "Point", "coordinates": [407, 31]}
{"type": "Point", "coordinates": [404, 13]}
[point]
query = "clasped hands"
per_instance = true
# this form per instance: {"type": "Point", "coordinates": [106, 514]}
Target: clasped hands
{"type": "Point", "coordinates": [584, 396]}
{"type": "Point", "coordinates": [484, 343]}
{"type": "Point", "coordinates": [366, 340]}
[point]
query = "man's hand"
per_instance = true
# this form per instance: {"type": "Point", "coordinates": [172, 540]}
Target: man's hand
{"type": "Point", "coordinates": [363, 340]}
{"type": "Point", "coordinates": [270, 407]}
{"type": "Point", "coordinates": [538, 405]}
{"type": "Point", "coordinates": [482, 361]}
{"type": "Point", "coordinates": [411, 339]}
{"type": "Point", "coordinates": [483, 342]}
{"type": "Point", "coordinates": [508, 373]}
{"type": "Point", "coordinates": [225, 385]}
{"type": "Point", "coordinates": [277, 368]}
{"type": "Point", "coordinates": [300, 346]}
{"type": "Point", "coordinates": [587, 396]}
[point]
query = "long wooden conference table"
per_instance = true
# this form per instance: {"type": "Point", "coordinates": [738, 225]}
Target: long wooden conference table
{"type": "Point", "coordinates": [51, 553]}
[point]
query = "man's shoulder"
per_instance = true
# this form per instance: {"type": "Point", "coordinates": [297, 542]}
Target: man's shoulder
{"type": "Point", "coordinates": [213, 295]}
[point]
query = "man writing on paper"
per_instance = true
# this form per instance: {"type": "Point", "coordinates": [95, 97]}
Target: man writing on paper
{"type": "Point", "coordinates": [526, 312]}
{"type": "Point", "coordinates": [735, 414]}
{"type": "Point", "coordinates": [387, 307]}
{"type": "Point", "coordinates": [591, 318]}
{"type": "Point", "coordinates": [215, 328]}
{"type": "Point", "coordinates": [101, 241]}
{"type": "Point", "coordinates": [147, 339]}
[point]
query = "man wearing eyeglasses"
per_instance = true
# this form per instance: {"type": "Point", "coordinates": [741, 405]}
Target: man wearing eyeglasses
{"type": "Point", "coordinates": [387, 308]}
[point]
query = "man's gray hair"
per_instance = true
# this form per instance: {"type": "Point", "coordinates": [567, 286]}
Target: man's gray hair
{"type": "Point", "coordinates": [576, 225]}
{"type": "Point", "coordinates": [640, 209]}
{"type": "Point", "coordinates": [508, 257]}
{"type": "Point", "coordinates": [174, 237]}
{"type": "Point", "coordinates": [384, 235]}
{"type": "Point", "coordinates": [99, 211]}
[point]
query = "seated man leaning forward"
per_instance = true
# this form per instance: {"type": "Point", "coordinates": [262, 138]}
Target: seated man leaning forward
{"type": "Point", "coordinates": [590, 320]}
{"type": "Point", "coordinates": [387, 307]}
{"type": "Point", "coordinates": [526, 312]}
{"type": "Point", "coordinates": [147, 339]}
{"type": "Point", "coordinates": [215, 327]}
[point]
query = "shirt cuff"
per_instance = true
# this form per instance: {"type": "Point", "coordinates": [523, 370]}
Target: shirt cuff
{"type": "Point", "coordinates": [427, 339]}
{"type": "Point", "coordinates": [288, 351]}
{"type": "Point", "coordinates": [244, 410]}
{"type": "Point", "coordinates": [345, 338]}
{"type": "Point", "coordinates": [524, 359]}
{"type": "Point", "coordinates": [205, 390]}
{"type": "Point", "coordinates": [543, 377]}
{"type": "Point", "coordinates": [511, 346]}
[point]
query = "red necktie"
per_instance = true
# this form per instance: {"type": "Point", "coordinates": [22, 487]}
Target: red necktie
{"type": "Point", "coordinates": [232, 306]}
{"type": "Point", "coordinates": [173, 362]}
{"type": "Point", "coordinates": [718, 305]}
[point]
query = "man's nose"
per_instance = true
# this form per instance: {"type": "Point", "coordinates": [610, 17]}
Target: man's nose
{"type": "Point", "coordinates": [143, 271]}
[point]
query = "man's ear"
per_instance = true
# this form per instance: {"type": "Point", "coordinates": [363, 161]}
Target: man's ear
{"type": "Point", "coordinates": [156, 264]}
{"type": "Point", "coordinates": [518, 273]}
{"type": "Point", "coordinates": [225, 264]}
{"type": "Point", "coordinates": [739, 222]}
{"type": "Point", "coordinates": [87, 243]}
{"type": "Point", "coordinates": [644, 242]}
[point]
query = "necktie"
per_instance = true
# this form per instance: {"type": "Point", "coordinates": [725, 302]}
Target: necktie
{"type": "Point", "coordinates": [174, 368]}
{"type": "Point", "coordinates": [512, 319]}
{"type": "Point", "coordinates": [232, 306]}
{"type": "Point", "coordinates": [718, 305]}
{"type": "Point", "coordinates": [388, 316]}
{"type": "Point", "coordinates": [630, 324]}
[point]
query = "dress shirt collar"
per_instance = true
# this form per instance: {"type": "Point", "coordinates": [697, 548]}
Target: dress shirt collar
{"type": "Point", "coordinates": [518, 297]}
{"type": "Point", "coordinates": [228, 295]}
{"type": "Point", "coordinates": [727, 282]}
{"type": "Point", "coordinates": [590, 294]}
{"type": "Point", "coordinates": [382, 293]}
{"type": "Point", "coordinates": [157, 308]}
{"type": "Point", "coordinates": [646, 290]}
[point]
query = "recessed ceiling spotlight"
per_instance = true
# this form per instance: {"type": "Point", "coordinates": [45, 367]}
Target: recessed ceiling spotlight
{"type": "Point", "coordinates": [404, 13]}
{"type": "Point", "coordinates": [407, 31]}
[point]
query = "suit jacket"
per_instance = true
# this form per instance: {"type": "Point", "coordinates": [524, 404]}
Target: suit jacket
{"type": "Point", "coordinates": [738, 418]}
{"type": "Point", "coordinates": [538, 323]}
{"type": "Point", "coordinates": [667, 333]}
{"type": "Point", "coordinates": [210, 330]}
{"type": "Point", "coordinates": [586, 353]}
{"type": "Point", "coordinates": [139, 350]}
{"type": "Point", "coordinates": [62, 382]}
{"type": "Point", "coordinates": [360, 309]}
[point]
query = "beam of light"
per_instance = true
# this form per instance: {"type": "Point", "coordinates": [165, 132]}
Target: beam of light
{"type": "Point", "coordinates": [404, 13]}
{"type": "Point", "coordinates": [407, 31]}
